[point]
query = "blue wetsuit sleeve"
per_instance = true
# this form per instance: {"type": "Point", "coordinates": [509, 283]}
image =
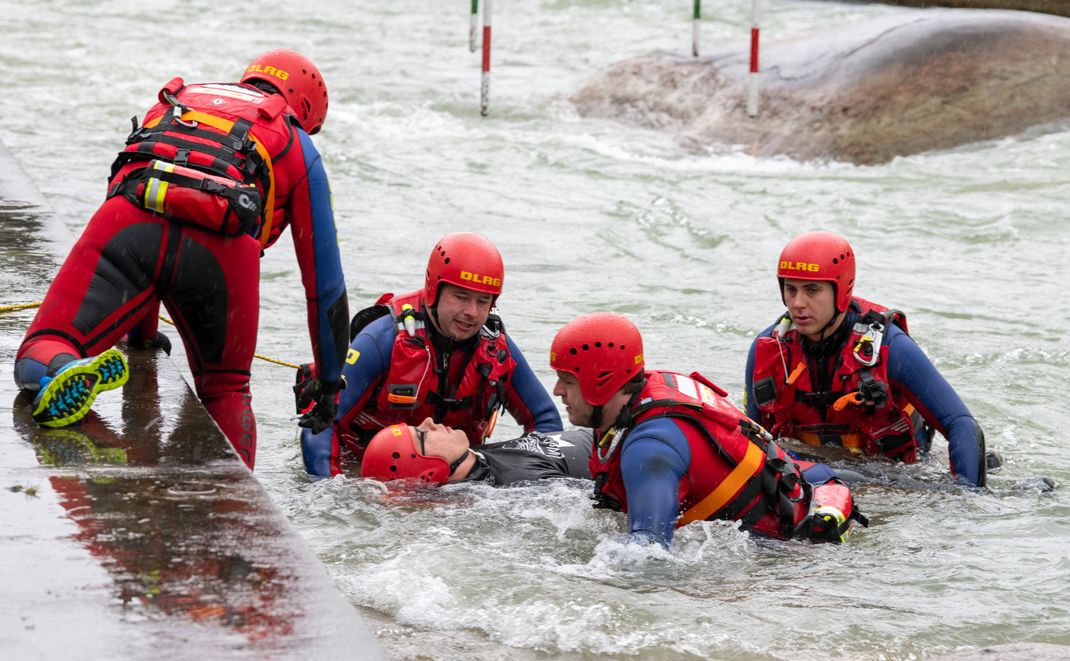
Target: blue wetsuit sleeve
{"type": "Point", "coordinates": [367, 359]}
{"type": "Point", "coordinates": [654, 458]}
{"type": "Point", "coordinates": [316, 451]}
{"type": "Point", "coordinates": [526, 399]}
{"type": "Point", "coordinates": [316, 245]}
{"type": "Point", "coordinates": [751, 408]}
{"type": "Point", "coordinates": [911, 372]}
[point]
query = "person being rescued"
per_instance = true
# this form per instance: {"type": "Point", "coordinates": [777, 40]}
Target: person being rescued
{"type": "Point", "coordinates": [435, 454]}
{"type": "Point", "coordinates": [438, 353]}
{"type": "Point", "coordinates": [838, 370]}
{"type": "Point", "coordinates": [669, 449]}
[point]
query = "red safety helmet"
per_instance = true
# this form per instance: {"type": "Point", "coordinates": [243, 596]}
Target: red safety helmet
{"type": "Point", "coordinates": [467, 260]}
{"type": "Point", "coordinates": [603, 351]}
{"type": "Point", "coordinates": [391, 455]}
{"type": "Point", "coordinates": [299, 82]}
{"type": "Point", "coordinates": [820, 256]}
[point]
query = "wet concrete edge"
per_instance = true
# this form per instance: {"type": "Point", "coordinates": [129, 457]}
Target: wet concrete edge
{"type": "Point", "coordinates": [138, 531]}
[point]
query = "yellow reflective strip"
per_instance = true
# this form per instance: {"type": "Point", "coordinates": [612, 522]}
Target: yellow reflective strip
{"type": "Point", "coordinates": [155, 189]}
{"type": "Point", "coordinates": [155, 192]}
{"type": "Point", "coordinates": [731, 485]}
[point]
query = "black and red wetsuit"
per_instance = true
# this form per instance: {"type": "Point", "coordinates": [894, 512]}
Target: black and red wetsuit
{"type": "Point", "coordinates": [137, 250]}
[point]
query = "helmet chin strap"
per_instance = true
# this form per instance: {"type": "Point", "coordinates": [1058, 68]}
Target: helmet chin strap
{"type": "Point", "coordinates": [456, 464]}
{"type": "Point", "coordinates": [435, 325]}
{"type": "Point", "coordinates": [596, 417]}
{"type": "Point", "coordinates": [827, 326]}
{"type": "Point", "coordinates": [607, 443]}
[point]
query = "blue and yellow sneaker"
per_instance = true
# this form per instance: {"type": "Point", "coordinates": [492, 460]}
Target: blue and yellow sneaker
{"type": "Point", "coordinates": [67, 396]}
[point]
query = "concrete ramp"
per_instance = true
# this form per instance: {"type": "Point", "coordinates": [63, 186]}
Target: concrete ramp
{"type": "Point", "coordinates": [138, 533]}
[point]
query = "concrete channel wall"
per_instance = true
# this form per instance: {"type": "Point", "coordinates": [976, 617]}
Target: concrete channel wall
{"type": "Point", "coordinates": [138, 533]}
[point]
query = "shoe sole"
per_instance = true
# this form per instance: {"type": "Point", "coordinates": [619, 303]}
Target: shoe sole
{"type": "Point", "coordinates": [68, 397]}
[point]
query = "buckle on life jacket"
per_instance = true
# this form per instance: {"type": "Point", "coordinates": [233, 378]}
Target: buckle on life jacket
{"type": "Point", "coordinates": [448, 403]}
{"type": "Point", "coordinates": [401, 395]}
{"type": "Point", "coordinates": [870, 393]}
{"type": "Point", "coordinates": [873, 392]}
{"type": "Point", "coordinates": [137, 132]}
{"type": "Point", "coordinates": [867, 349]}
{"type": "Point", "coordinates": [601, 499]}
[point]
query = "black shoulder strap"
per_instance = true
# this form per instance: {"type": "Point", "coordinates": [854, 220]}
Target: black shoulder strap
{"type": "Point", "coordinates": [365, 317]}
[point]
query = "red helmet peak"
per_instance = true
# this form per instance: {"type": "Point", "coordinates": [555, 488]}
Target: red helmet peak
{"type": "Point", "coordinates": [391, 455]}
{"type": "Point", "coordinates": [466, 260]}
{"type": "Point", "coordinates": [602, 350]}
{"type": "Point", "coordinates": [820, 256]}
{"type": "Point", "coordinates": [299, 82]}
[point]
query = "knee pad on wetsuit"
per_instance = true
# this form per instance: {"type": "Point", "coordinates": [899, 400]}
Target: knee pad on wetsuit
{"type": "Point", "coordinates": [29, 372]}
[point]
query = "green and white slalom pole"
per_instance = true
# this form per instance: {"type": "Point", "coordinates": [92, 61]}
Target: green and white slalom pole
{"type": "Point", "coordinates": [473, 27]}
{"type": "Point", "coordinates": [695, 18]}
{"type": "Point", "coordinates": [752, 79]}
{"type": "Point", "coordinates": [484, 85]}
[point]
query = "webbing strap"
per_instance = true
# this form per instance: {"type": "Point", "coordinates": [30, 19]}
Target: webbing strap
{"type": "Point", "coordinates": [225, 125]}
{"type": "Point", "coordinates": [717, 498]}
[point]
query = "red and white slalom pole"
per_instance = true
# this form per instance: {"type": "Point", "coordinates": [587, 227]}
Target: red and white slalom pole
{"type": "Point", "coordinates": [484, 85]}
{"type": "Point", "coordinates": [752, 79]}
{"type": "Point", "coordinates": [473, 27]}
{"type": "Point", "coordinates": [695, 18]}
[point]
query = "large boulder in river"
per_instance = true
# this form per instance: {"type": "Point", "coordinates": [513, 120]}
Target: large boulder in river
{"type": "Point", "coordinates": [865, 93]}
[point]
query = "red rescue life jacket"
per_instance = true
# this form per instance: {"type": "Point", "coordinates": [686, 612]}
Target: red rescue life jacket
{"type": "Point", "coordinates": [204, 157]}
{"type": "Point", "coordinates": [860, 412]}
{"type": "Point", "coordinates": [411, 391]}
{"type": "Point", "coordinates": [736, 472]}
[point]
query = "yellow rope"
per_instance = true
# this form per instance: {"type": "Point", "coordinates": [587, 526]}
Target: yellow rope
{"type": "Point", "coordinates": [36, 304]}
{"type": "Point", "coordinates": [277, 362]}
{"type": "Point", "coordinates": [20, 306]}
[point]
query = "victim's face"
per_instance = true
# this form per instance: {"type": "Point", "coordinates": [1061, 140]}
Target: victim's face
{"type": "Point", "coordinates": [439, 440]}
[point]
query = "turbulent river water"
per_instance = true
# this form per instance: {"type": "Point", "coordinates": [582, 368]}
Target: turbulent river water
{"type": "Point", "coordinates": [595, 215]}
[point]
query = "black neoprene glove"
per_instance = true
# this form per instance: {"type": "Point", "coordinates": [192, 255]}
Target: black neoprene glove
{"type": "Point", "coordinates": [159, 341]}
{"type": "Point", "coordinates": [324, 395]}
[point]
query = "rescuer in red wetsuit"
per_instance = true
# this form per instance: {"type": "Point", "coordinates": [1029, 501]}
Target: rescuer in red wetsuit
{"type": "Point", "coordinates": [212, 177]}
